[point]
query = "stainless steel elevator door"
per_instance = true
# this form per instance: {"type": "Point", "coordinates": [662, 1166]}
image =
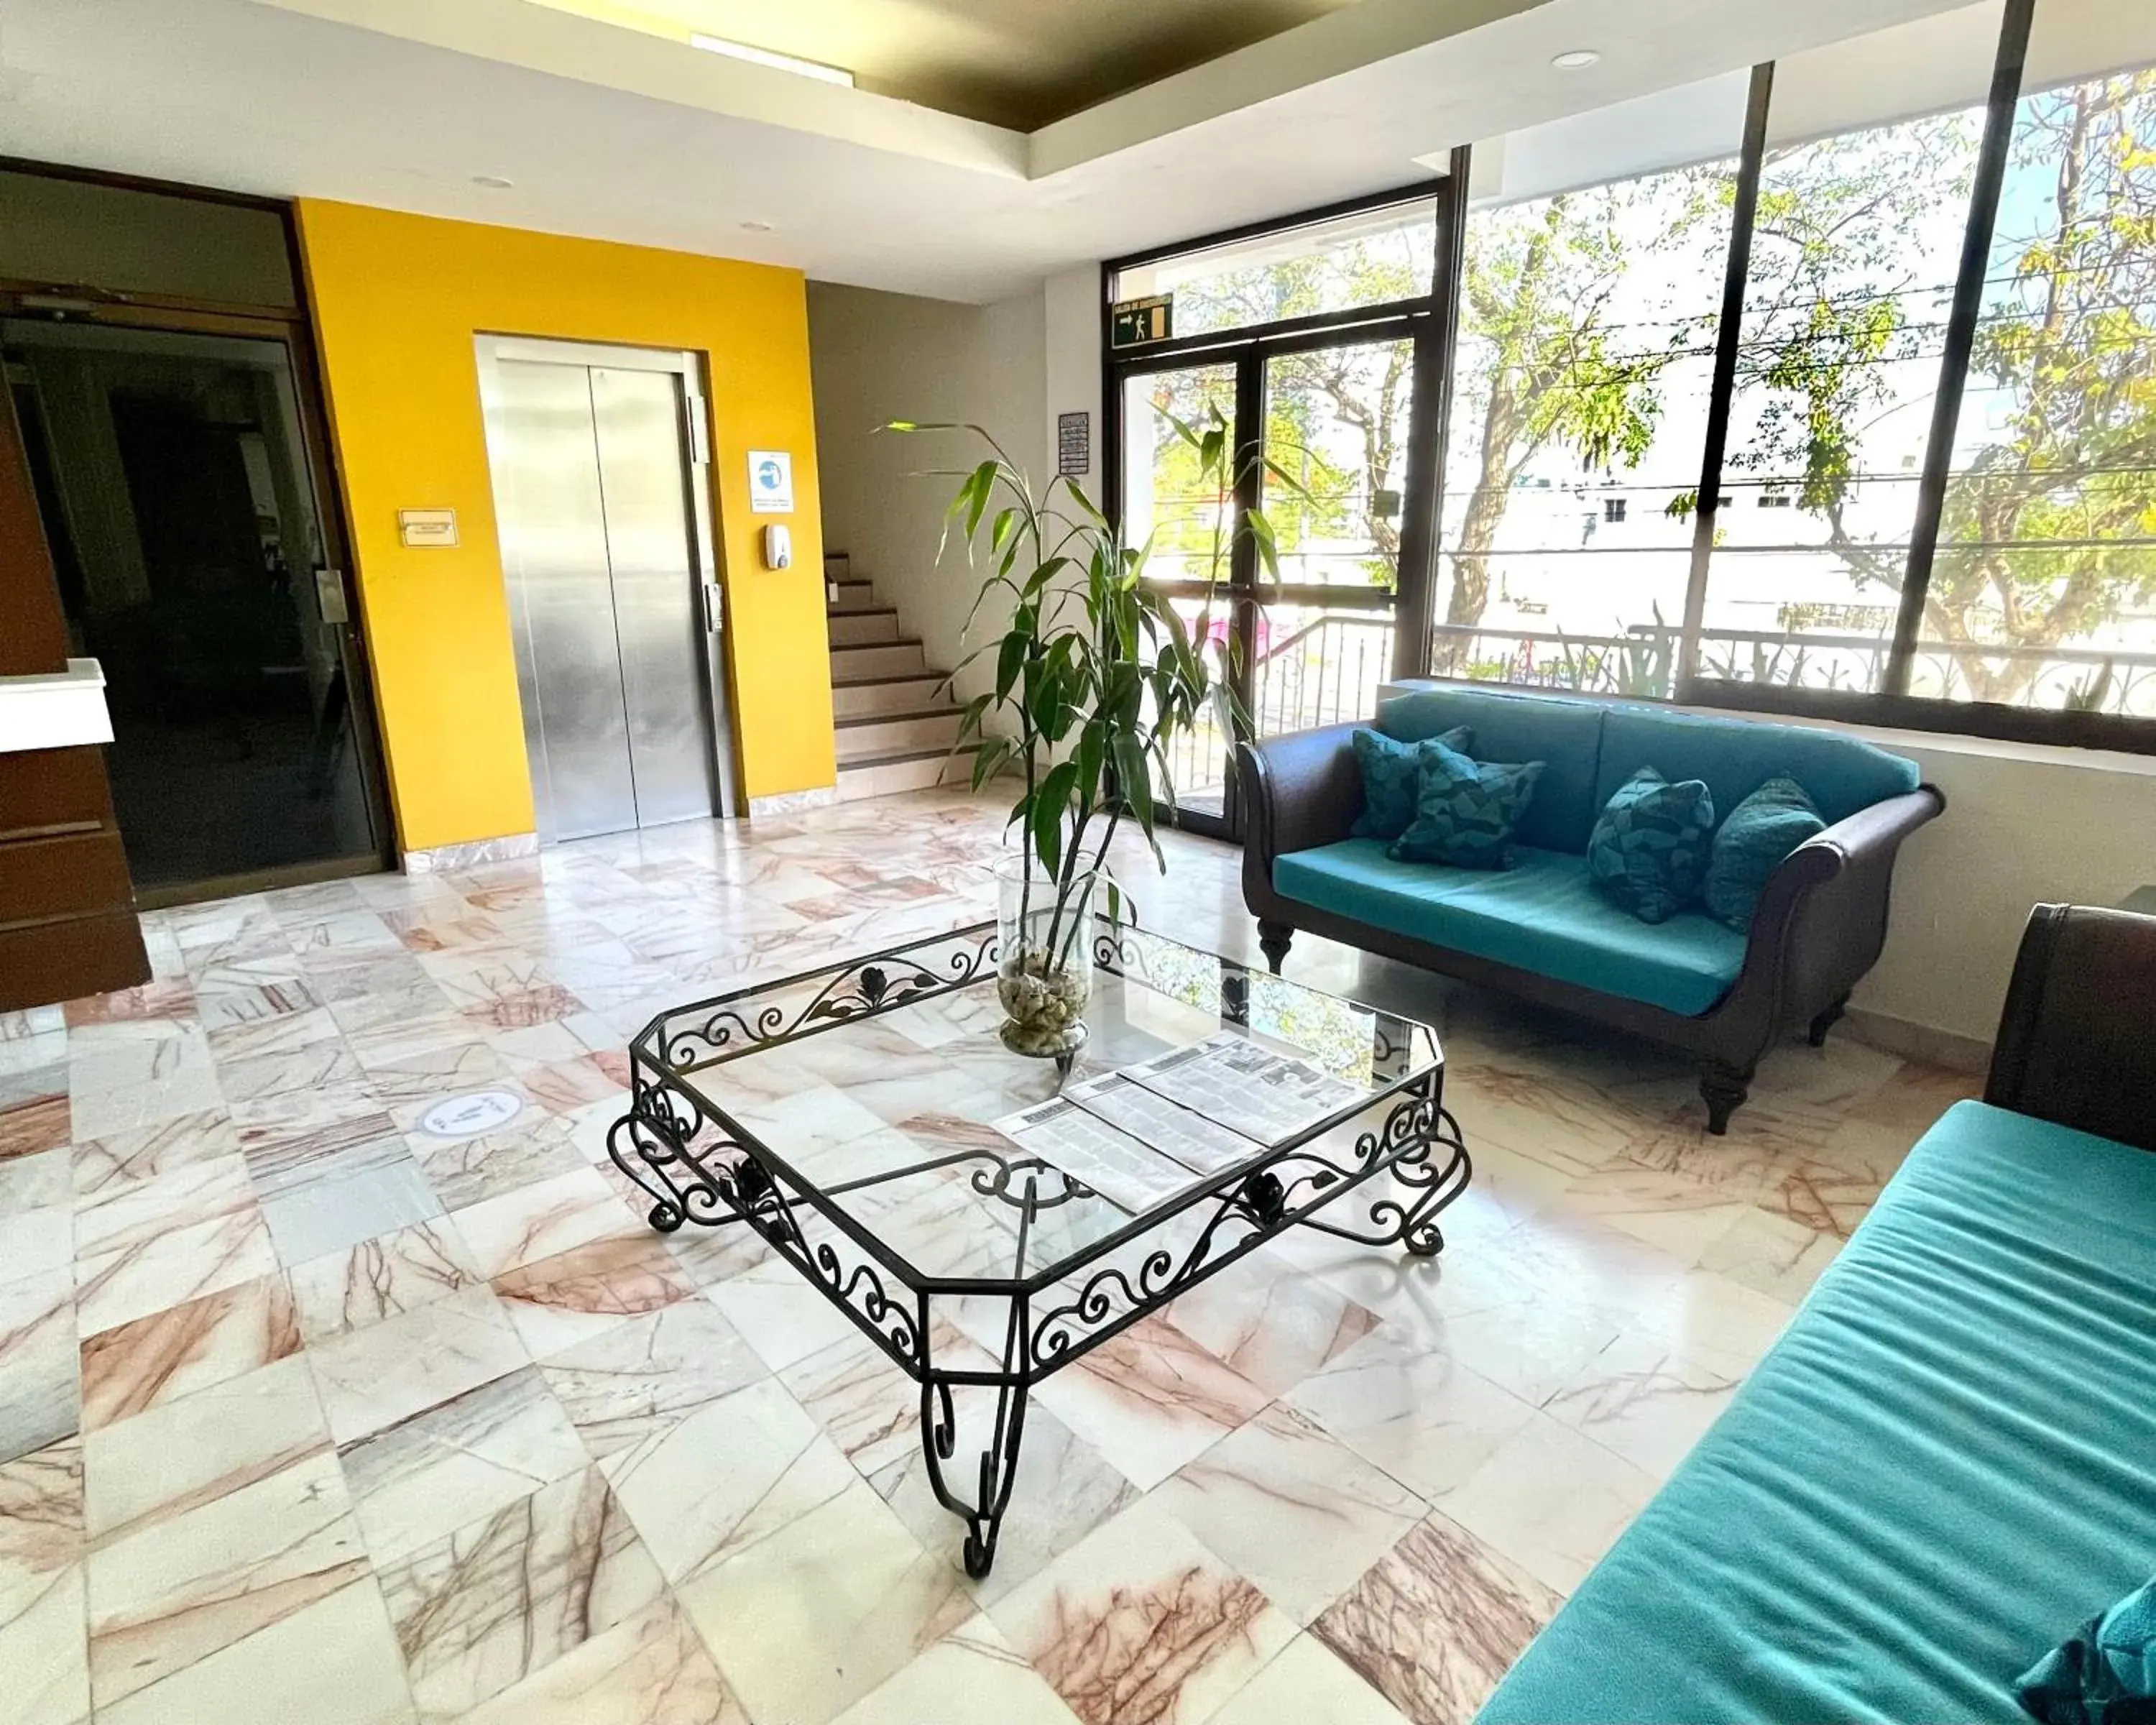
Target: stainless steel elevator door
{"type": "Point", "coordinates": [592, 487]}
{"type": "Point", "coordinates": [657, 596]}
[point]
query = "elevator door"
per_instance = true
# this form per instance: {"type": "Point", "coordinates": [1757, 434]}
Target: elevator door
{"type": "Point", "coordinates": [595, 490]}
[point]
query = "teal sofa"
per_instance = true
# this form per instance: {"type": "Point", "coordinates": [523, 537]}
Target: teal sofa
{"type": "Point", "coordinates": [1948, 1462]}
{"type": "Point", "coordinates": [1542, 929]}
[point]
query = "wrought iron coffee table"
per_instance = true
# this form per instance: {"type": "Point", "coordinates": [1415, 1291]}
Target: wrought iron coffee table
{"type": "Point", "coordinates": [842, 1116]}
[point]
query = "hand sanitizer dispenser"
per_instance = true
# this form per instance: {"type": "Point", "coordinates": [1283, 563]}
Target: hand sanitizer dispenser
{"type": "Point", "coordinates": [777, 547]}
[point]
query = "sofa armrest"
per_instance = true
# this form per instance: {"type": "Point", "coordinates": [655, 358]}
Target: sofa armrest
{"type": "Point", "coordinates": [2078, 1038]}
{"type": "Point", "coordinates": [1822, 920]}
{"type": "Point", "coordinates": [1299, 791]}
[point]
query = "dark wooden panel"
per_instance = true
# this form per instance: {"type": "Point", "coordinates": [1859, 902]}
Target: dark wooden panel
{"type": "Point", "coordinates": [73, 876]}
{"type": "Point", "coordinates": [44, 961]}
{"type": "Point", "coordinates": [34, 635]}
{"type": "Point", "coordinates": [52, 788]}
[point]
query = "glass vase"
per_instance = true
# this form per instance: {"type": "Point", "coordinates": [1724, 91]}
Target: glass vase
{"type": "Point", "coordinates": [1043, 959]}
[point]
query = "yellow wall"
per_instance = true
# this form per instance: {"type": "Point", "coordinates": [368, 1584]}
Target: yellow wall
{"type": "Point", "coordinates": [396, 301]}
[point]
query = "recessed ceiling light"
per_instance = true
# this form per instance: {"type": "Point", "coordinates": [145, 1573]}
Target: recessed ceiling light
{"type": "Point", "coordinates": [777, 62]}
{"type": "Point", "coordinates": [493, 182]}
{"type": "Point", "coordinates": [757, 227]}
{"type": "Point", "coordinates": [1575, 59]}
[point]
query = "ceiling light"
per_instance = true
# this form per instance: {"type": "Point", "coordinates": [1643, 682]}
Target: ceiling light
{"type": "Point", "coordinates": [1576, 59]}
{"type": "Point", "coordinates": [756, 227]}
{"type": "Point", "coordinates": [777, 62]}
{"type": "Point", "coordinates": [493, 182]}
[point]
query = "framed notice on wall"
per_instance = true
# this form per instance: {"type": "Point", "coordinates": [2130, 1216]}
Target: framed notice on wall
{"type": "Point", "coordinates": [770, 482]}
{"type": "Point", "coordinates": [1073, 445]}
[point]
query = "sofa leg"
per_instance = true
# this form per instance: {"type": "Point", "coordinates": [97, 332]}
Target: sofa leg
{"type": "Point", "coordinates": [1273, 940]}
{"type": "Point", "coordinates": [1825, 1021]}
{"type": "Point", "coordinates": [1724, 1088]}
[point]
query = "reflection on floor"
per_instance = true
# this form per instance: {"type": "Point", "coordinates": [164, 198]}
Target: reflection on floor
{"type": "Point", "coordinates": [307, 1416]}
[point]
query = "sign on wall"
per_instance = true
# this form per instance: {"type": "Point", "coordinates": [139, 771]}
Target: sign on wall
{"type": "Point", "coordinates": [770, 482]}
{"type": "Point", "coordinates": [427, 527]}
{"type": "Point", "coordinates": [1073, 445]}
{"type": "Point", "coordinates": [1132, 321]}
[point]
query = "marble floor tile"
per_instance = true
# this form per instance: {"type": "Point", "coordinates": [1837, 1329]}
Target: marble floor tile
{"type": "Point", "coordinates": [374, 1377]}
{"type": "Point", "coordinates": [417, 1481]}
{"type": "Point", "coordinates": [865, 1405]}
{"type": "Point", "coordinates": [826, 1608]}
{"type": "Point", "coordinates": [44, 1661]}
{"type": "Point", "coordinates": [1305, 1684]}
{"type": "Point", "coordinates": [169, 1590]}
{"type": "Point", "coordinates": [468, 1171]}
{"type": "Point", "coordinates": [775, 1310]}
{"type": "Point", "coordinates": [187, 1347]}
{"type": "Point", "coordinates": [1139, 1621]}
{"type": "Point", "coordinates": [40, 1397]}
{"type": "Point", "coordinates": [134, 1159]}
{"type": "Point", "coordinates": [1272, 1325]}
{"type": "Point", "coordinates": [31, 1125]}
{"type": "Point", "coordinates": [396, 1272]}
{"type": "Point", "coordinates": [1644, 1400]}
{"type": "Point", "coordinates": [37, 1215]}
{"type": "Point", "coordinates": [340, 1209]}
{"type": "Point", "coordinates": [1552, 1500]}
{"type": "Point", "coordinates": [559, 1301]}
{"type": "Point", "coordinates": [1771, 1255]}
{"type": "Point", "coordinates": [508, 1594]}
{"type": "Point", "coordinates": [330, 1661]}
{"type": "Point", "coordinates": [333, 1144]}
{"type": "Point", "coordinates": [780, 1467]}
{"type": "Point", "coordinates": [1435, 1624]}
{"type": "Point", "coordinates": [1150, 1400]}
{"type": "Point", "coordinates": [1298, 1512]}
{"type": "Point", "coordinates": [972, 1676]}
{"type": "Point", "coordinates": [625, 1388]}
{"type": "Point", "coordinates": [542, 1219]}
{"type": "Point", "coordinates": [131, 1219]}
{"type": "Point", "coordinates": [319, 1065]}
{"type": "Point", "coordinates": [648, 1669]}
{"type": "Point", "coordinates": [188, 1452]}
{"type": "Point", "coordinates": [1414, 1411]}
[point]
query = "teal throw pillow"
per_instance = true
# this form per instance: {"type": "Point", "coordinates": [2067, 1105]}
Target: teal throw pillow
{"type": "Point", "coordinates": [1390, 773]}
{"type": "Point", "coordinates": [1466, 810]}
{"type": "Point", "coordinates": [1758, 832]}
{"type": "Point", "coordinates": [1648, 850]}
{"type": "Point", "coordinates": [2103, 1674]}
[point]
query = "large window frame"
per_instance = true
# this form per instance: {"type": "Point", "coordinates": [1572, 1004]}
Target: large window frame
{"type": "Point", "coordinates": [1890, 704]}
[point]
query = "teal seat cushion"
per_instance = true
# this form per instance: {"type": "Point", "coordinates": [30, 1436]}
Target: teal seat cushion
{"type": "Point", "coordinates": [1737, 755]}
{"type": "Point", "coordinates": [1564, 735]}
{"type": "Point", "coordinates": [1946, 1463]}
{"type": "Point", "coordinates": [1544, 914]}
{"type": "Point", "coordinates": [1649, 848]}
{"type": "Point", "coordinates": [1392, 771]}
{"type": "Point", "coordinates": [2103, 1674]}
{"type": "Point", "coordinates": [1751, 843]}
{"type": "Point", "coordinates": [1466, 810]}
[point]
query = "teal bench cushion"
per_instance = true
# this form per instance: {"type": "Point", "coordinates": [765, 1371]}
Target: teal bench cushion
{"type": "Point", "coordinates": [1737, 755]}
{"type": "Point", "coordinates": [1946, 1464]}
{"type": "Point", "coordinates": [1566, 735]}
{"type": "Point", "coordinates": [1544, 914]}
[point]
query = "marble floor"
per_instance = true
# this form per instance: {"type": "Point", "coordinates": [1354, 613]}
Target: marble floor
{"type": "Point", "coordinates": [310, 1415]}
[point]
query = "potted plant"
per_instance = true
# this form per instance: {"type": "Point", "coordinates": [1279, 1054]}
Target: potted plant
{"type": "Point", "coordinates": [1097, 675]}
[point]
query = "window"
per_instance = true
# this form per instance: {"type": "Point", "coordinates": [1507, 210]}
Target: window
{"type": "Point", "coordinates": [1589, 312]}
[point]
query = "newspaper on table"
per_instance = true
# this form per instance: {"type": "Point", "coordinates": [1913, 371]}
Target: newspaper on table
{"type": "Point", "coordinates": [1122, 1169]}
{"type": "Point", "coordinates": [1204, 1146]}
{"type": "Point", "coordinates": [1245, 1086]}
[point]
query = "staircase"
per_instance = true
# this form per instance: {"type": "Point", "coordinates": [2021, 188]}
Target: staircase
{"type": "Point", "coordinates": [895, 720]}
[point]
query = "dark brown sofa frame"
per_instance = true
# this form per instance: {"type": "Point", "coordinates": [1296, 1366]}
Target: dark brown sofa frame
{"type": "Point", "coordinates": [1818, 927]}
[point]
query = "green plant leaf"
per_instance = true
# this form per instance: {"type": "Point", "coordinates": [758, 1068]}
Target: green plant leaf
{"type": "Point", "coordinates": [1051, 803]}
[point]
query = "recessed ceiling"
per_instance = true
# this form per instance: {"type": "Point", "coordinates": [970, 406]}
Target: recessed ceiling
{"type": "Point", "coordinates": [1014, 63]}
{"type": "Point", "coordinates": [616, 133]}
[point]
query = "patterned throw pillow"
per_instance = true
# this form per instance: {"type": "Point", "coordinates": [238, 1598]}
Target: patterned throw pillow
{"type": "Point", "coordinates": [1466, 810]}
{"type": "Point", "coordinates": [1649, 848]}
{"type": "Point", "coordinates": [1390, 778]}
{"type": "Point", "coordinates": [1754, 837]}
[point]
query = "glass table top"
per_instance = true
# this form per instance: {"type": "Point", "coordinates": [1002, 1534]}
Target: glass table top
{"type": "Point", "coordinates": [873, 1091]}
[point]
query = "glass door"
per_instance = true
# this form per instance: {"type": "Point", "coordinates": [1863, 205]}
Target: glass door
{"type": "Point", "coordinates": [1335, 424]}
{"type": "Point", "coordinates": [1189, 523]}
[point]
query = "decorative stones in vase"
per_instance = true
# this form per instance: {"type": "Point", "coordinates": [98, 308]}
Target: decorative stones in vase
{"type": "Point", "coordinates": [1044, 958]}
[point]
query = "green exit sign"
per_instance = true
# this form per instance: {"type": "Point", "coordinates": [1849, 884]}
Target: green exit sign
{"type": "Point", "coordinates": [1136, 320]}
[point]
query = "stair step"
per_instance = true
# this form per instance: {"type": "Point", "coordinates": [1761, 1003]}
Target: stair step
{"type": "Point", "coordinates": [838, 565]}
{"type": "Point", "coordinates": [898, 733]}
{"type": "Point", "coordinates": [876, 697]}
{"type": "Point", "coordinates": [881, 775]}
{"type": "Point", "coordinates": [864, 628]}
{"type": "Point", "coordinates": [850, 596]}
{"type": "Point", "coordinates": [881, 659]}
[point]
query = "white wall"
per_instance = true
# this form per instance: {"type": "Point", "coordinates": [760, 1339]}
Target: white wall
{"type": "Point", "coordinates": [875, 357]}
